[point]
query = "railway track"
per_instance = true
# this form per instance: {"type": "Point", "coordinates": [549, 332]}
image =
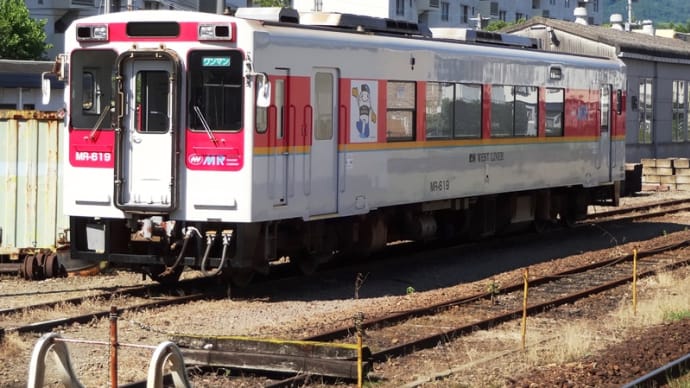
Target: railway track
{"type": "Point", "coordinates": [133, 298]}
{"type": "Point", "coordinates": [411, 331]}
{"type": "Point", "coordinates": [642, 211]}
{"type": "Point", "coordinates": [662, 375]}
{"type": "Point", "coordinates": [381, 333]}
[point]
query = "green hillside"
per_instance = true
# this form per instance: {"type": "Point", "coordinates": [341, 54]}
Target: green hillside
{"type": "Point", "coordinates": [660, 11]}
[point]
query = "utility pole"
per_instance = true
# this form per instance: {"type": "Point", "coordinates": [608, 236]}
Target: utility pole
{"type": "Point", "coordinates": [628, 25]}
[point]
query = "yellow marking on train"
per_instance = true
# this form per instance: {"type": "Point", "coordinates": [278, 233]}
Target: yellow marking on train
{"type": "Point", "coordinates": [437, 144]}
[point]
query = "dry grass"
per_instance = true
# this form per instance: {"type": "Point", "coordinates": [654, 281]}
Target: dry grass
{"type": "Point", "coordinates": [12, 346]}
{"type": "Point", "coordinates": [661, 298]}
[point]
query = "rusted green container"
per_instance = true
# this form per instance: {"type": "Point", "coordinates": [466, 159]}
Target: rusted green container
{"type": "Point", "coordinates": [31, 216]}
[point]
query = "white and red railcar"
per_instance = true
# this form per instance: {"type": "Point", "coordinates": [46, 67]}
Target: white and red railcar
{"type": "Point", "coordinates": [225, 143]}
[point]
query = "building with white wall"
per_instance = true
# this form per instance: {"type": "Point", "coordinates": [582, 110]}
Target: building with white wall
{"type": "Point", "coordinates": [457, 13]}
{"type": "Point", "coordinates": [434, 13]}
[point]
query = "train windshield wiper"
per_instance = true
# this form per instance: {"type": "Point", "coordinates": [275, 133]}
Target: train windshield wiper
{"type": "Point", "coordinates": [97, 126]}
{"type": "Point", "coordinates": [204, 124]}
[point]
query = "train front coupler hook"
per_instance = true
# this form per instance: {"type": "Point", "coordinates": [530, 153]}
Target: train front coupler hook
{"type": "Point", "coordinates": [227, 239]}
{"type": "Point", "coordinates": [188, 233]}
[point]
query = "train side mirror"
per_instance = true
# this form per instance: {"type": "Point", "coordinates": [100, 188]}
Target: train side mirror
{"type": "Point", "coordinates": [263, 91]}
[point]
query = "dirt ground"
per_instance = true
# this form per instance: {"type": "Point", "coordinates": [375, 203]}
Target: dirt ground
{"type": "Point", "coordinates": [618, 350]}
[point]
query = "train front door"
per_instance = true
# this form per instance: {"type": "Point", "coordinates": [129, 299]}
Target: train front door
{"type": "Point", "coordinates": [145, 150]}
{"type": "Point", "coordinates": [323, 174]}
{"type": "Point", "coordinates": [605, 131]}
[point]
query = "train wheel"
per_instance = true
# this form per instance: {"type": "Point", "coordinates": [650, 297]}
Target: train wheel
{"type": "Point", "coordinates": [40, 270]}
{"type": "Point", "coordinates": [22, 269]}
{"type": "Point", "coordinates": [29, 266]}
{"type": "Point", "coordinates": [241, 277]}
{"type": "Point", "coordinates": [51, 266]}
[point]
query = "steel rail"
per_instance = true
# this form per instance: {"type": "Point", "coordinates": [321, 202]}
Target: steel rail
{"type": "Point", "coordinates": [433, 340]}
{"type": "Point", "coordinates": [661, 376]}
{"type": "Point", "coordinates": [128, 290]}
{"type": "Point", "coordinates": [433, 309]}
{"type": "Point", "coordinates": [662, 205]}
{"type": "Point", "coordinates": [85, 318]}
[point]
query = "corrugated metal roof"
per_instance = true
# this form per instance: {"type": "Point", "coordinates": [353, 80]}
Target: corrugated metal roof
{"type": "Point", "coordinates": [25, 74]}
{"type": "Point", "coordinates": [16, 80]}
{"type": "Point", "coordinates": [625, 42]}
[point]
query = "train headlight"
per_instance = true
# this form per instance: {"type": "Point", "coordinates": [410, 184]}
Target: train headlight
{"type": "Point", "coordinates": [93, 32]}
{"type": "Point", "coordinates": [222, 31]}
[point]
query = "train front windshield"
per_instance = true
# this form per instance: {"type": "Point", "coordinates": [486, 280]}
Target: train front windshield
{"type": "Point", "coordinates": [91, 88]}
{"type": "Point", "coordinates": [215, 90]}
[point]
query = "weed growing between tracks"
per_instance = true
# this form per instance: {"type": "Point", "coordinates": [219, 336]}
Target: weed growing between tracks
{"type": "Point", "coordinates": [664, 298]}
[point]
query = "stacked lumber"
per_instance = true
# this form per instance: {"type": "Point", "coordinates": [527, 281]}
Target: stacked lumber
{"type": "Point", "coordinates": [666, 174]}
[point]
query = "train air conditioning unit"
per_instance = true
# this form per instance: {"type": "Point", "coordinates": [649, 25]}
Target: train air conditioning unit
{"type": "Point", "coordinates": [428, 5]}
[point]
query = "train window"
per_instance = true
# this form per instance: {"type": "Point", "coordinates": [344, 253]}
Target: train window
{"type": "Point", "coordinates": [514, 110]}
{"type": "Point", "coordinates": [555, 101]}
{"type": "Point", "coordinates": [502, 107]}
{"type": "Point", "coordinates": [262, 113]}
{"type": "Point", "coordinates": [453, 110]}
{"type": "Point", "coordinates": [468, 111]}
{"type": "Point", "coordinates": [92, 85]}
{"type": "Point", "coordinates": [215, 90]}
{"type": "Point", "coordinates": [400, 116]}
{"type": "Point", "coordinates": [323, 112]}
{"type": "Point", "coordinates": [605, 108]}
{"type": "Point", "coordinates": [152, 99]}
{"type": "Point", "coordinates": [261, 119]}
{"type": "Point", "coordinates": [440, 98]}
{"type": "Point", "coordinates": [526, 110]}
{"type": "Point", "coordinates": [87, 94]}
{"type": "Point", "coordinates": [280, 107]}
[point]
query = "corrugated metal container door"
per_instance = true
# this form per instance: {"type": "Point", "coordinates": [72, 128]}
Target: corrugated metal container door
{"type": "Point", "coordinates": [30, 174]}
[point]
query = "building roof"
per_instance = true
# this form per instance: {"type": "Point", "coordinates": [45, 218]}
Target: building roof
{"type": "Point", "coordinates": [638, 44]}
{"type": "Point", "coordinates": [25, 74]}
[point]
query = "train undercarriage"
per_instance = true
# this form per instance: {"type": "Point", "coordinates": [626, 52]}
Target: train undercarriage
{"type": "Point", "coordinates": [161, 248]}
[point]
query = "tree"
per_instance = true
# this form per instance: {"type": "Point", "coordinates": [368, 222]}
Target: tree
{"type": "Point", "coordinates": [21, 37]}
{"type": "Point", "coordinates": [496, 25]}
{"type": "Point", "coordinates": [271, 3]}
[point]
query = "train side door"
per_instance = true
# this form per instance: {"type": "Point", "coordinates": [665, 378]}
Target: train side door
{"type": "Point", "coordinates": [280, 139]}
{"type": "Point", "coordinates": [323, 174]}
{"type": "Point", "coordinates": [605, 129]}
{"type": "Point", "coordinates": [145, 153]}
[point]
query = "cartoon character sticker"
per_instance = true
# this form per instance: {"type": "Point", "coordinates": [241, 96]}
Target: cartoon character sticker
{"type": "Point", "coordinates": [363, 112]}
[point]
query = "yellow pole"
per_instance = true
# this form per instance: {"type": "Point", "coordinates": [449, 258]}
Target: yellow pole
{"type": "Point", "coordinates": [525, 277]}
{"type": "Point", "coordinates": [634, 281]}
{"type": "Point", "coordinates": [358, 326]}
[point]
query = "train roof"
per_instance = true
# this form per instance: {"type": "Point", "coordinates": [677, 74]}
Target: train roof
{"type": "Point", "coordinates": [329, 21]}
{"type": "Point", "coordinates": [366, 30]}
